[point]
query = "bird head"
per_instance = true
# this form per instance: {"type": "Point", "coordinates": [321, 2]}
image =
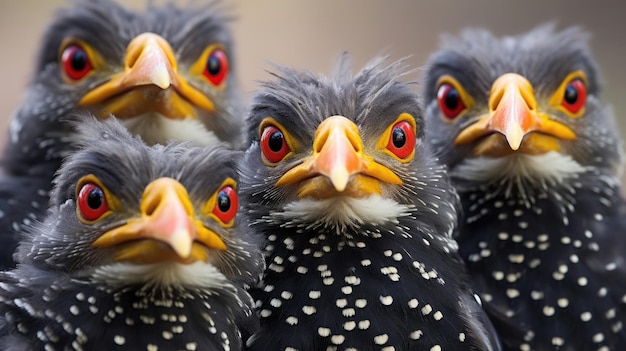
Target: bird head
{"type": "Point", "coordinates": [119, 206]}
{"type": "Point", "coordinates": [525, 104]}
{"type": "Point", "coordinates": [166, 72]}
{"type": "Point", "coordinates": [338, 152]}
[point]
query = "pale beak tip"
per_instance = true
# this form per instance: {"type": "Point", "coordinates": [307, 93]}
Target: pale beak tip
{"type": "Point", "coordinates": [181, 243]}
{"type": "Point", "coordinates": [339, 178]}
{"type": "Point", "coordinates": [514, 136]}
{"type": "Point", "coordinates": [161, 78]}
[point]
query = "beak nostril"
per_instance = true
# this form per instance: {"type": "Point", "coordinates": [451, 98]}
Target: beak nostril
{"type": "Point", "coordinates": [319, 142]}
{"type": "Point", "coordinates": [149, 45]}
{"type": "Point", "coordinates": [134, 50]}
{"type": "Point", "coordinates": [336, 124]}
{"type": "Point", "coordinates": [512, 85]}
{"type": "Point", "coordinates": [132, 58]}
{"type": "Point", "coordinates": [163, 195]}
{"type": "Point", "coordinates": [152, 205]}
{"type": "Point", "coordinates": [495, 99]}
{"type": "Point", "coordinates": [528, 97]}
{"type": "Point", "coordinates": [355, 140]}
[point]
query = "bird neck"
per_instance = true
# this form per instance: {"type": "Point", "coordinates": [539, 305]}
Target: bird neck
{"type": "Point", "coordinates": [159, 276]}
{"type": "Point", "coordinates": [155, 128]}
{"type": "Point", "coordinates": [519, 176]}
{"type": "Point", "coordinates": [341, 215]}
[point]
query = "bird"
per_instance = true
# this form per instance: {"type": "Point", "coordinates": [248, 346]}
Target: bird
{"type": "Point", "coordinates": [357, 217]}
{"type": "Point", "coordinates": [536, 158]}
{"type": "Point", "coordinates": [168, 73]}
{"type": "Point", "coordinates": [141, 249]}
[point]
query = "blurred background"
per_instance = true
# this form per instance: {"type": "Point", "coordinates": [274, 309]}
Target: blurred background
{"type": "Point", "coordinates": [313, 33]}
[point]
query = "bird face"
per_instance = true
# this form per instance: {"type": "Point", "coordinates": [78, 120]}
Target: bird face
{"type": "Point", "coordinates": [513, 114]}
{"type": "Point", "coordinates": [149, 82]}
{"type": "Point", "coordinates": [119, 203]}
{"type": "Point", "coordinates": [338, 164]}
{"type": "Point", "coordinates": [164, 69]}
{"type": "Point", "coordinates": [336, 153]}
{"type": "Point", "coordinates": [167, 228]}
{"type": "Point", "coordinates": [528, 103]}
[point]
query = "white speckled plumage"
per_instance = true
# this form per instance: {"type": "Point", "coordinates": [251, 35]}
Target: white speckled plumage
{"type": "Point", "coordinates": [541, 229]}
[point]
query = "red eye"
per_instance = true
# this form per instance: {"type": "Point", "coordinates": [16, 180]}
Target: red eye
{"type": "Point", "coordinates": [226, 204]}
{"type": "Point", "coordinates": [574, 96]}
{"type": "Point", "coordinates": [450, 102]}
{"type": "Point", "coordinates": [216, 67]}
{"type": "Point", "coordinates": [402, 140]}
{"type": "Point", "coordinates": [75, 61]}
{"type": "Point", "coordinates": [91, 202]}
{"type": "Point", "coordinates": [273, 144]}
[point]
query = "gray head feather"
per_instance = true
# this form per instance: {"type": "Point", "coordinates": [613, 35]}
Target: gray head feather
{"type": "Point", "coordinates": [544, 56]}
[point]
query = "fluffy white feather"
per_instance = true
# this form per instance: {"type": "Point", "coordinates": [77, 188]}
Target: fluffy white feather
{"type": "Point", "coordinates": [167, 274]}
{"type": "Point", "coordinates": [340, 212]}
{"type": "Point", "coordinates": [520, 172]}
{"type": "Point", "coordinates": [157, 129]}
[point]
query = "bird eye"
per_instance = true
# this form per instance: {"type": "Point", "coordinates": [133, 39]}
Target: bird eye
{"type": "Point", "coordinates": [216, 66]}
{"type": "Point", "coordinates": [402, 139]}
{"type": "Point", "coordinates": [574, 96]}
{"type": "Point", "coordinates": [91, 202]}
{"type": "Point", "coordinates": [75, 62]}
{"type": "Point", "coordinates": [450, 102]}
{"type": "Point", "coordinates": [273, 144]}
{"type": "Point", "coordinates": [226, 204]}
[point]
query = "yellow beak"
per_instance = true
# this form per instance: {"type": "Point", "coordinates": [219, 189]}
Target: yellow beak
{"type": "Point", "coordinates": [149, 82]}
{"type": "Point", "coordinates": [338, 165]}
{"type": "Point", "coordinates": [166, 229]}
{"type": "Point", "coordinates": [513, 115]}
